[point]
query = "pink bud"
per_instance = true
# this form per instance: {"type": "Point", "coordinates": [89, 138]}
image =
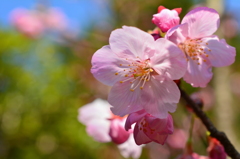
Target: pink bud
{"type": "Point", "coordinates": [216, 150]}
{"type": "Point", "coordinates": [117, 131]}
{"type": "Point", "coordinates": [166, 19]}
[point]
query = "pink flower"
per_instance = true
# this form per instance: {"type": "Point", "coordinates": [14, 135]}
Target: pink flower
{"type": "Point", "coordinates": [103, 126]}
{"type": "Point", "coordinates": [55, 19]}
{"type": "Point", "coordinates": [149, 128]}
{"type": "Point", "coordinates": [27, 23]}
{"type": "Point", "coordinates": [96, 117]}
{"type": "Point", "coordinates": [141, 71]}
{"type": "Point", "coordinates": [178, 139]}
{"type": "Point", "coordinates": [165, 19]}
{"type": "Point", "coordinates": [202, 49]}
{"type": "Point", "coordinates": [192, 156]}
{"type": "Point", "coordinates": [34, 22]}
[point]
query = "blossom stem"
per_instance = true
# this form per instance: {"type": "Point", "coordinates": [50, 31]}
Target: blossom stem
{"type": "Point", "coordinates": [191, 130]}
{"type": "Point", "coordinates": [214, 132]}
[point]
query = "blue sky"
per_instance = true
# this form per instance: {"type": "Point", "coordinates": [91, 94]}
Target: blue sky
{"type": "Point", "coordinates": [80, 12]}
{"type": "Point", "coordinates": [232, 5]}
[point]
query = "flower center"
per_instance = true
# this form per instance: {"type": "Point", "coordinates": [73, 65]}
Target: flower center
{"type": "Point", "coordinates": [195, 49]}
{"type": "Point", "coordinates": [137, 72]}
{"type": "Point", "coordinates": [144, 126]}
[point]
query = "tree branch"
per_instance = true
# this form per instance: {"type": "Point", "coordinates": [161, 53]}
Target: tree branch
{"type": "Point", "coordinates": [220, 136]}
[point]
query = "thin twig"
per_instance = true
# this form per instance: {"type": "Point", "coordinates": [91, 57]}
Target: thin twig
{"type": "Point", "coordinates": [220, 136]}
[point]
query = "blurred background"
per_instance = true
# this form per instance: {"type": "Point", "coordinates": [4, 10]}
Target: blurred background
{"type": "Point", "coordinates": [45, 75]}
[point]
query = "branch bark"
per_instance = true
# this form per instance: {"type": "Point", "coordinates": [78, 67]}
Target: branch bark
{"type": "Point", "coordinates": [220, 136]}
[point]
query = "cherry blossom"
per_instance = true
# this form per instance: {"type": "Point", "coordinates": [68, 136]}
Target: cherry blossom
{"type": "Point", "coordinates": [202, 49]}
{"type": "Point", "coordinates": [33, 23]}
{"type": "Point", "coordinates": [149, 128]}
{"type": "Point", "coordinates": [54, 18]}
{"type": "Point", "coordinates": [165, 19]}
{"type": "Point", "coordinates": [27, 23]}
{"type": "Point", "coordinates": [141, 72]}
{"type": "Point", "coordinates": [95, 116]}
{"type": "Point", "coordinates": [192, 156]}
{"type": "Point", "coordinates": [103, 126]}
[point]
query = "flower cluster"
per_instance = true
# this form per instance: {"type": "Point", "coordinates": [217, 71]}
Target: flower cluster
{"type": "Point", "coordinates": [142, 68]}
{"type": "Point", "coordinates": [33, 23]}
{"type": "Point", "coordinates": [104, 126]}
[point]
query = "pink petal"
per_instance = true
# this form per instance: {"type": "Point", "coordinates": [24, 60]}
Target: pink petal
{"type": "Point", "coordinates": [178, 33]}
{"type": "Point", "coordinates": [130, 149]}
{"type": "Point", "coordinates": [140, 137]}
{"type": "Point", "coordinates": [158, 138]}
{"type": "Point", "coordinates": [221, 53]}
{"type": "Point", "coordinates": [198, 75]}
{"type": "Point", "coordinates": [125, 101]}
{"type": "Point", "coordinates": [159, 125]}
{"type": "Point", "coordinates": [202, 21]}
{"type": "Point", "coordinates": [98, 129]}
{"type": "Point", "coordinates": [169, 128]}
{"type": "Point", "coordinates": [169, 60]}
{"type": "Point", "coordinates": [106, 66]}
{"type": "Point", "coordinates": [134, 117]}
{"type": "Point", "coordinates": [161, 97]}
{"type": "Point", "coordinates": [131, 42]}
{"type": "Point", "coordinates": [95, 116]}
{"type": "Point", "coordinates": [99, 109]}
{"type": "Point", "coordinates": [117, 132]}
{"type": "Point", "coordinates": [159, 129]}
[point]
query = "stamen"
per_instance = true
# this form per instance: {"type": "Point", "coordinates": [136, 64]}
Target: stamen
{"type": "Point", "coordinates": [137, 70]}
{"type": "Point", "coordinates": [195, 48]}
{"type": "Point", "coordinates": [137, 84]}
{"type": "Point", "coordinates": [144, 81]}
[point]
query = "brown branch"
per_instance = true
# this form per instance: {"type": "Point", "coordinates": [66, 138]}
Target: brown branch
{"type": "Point", "coordinates": [220, 136]}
